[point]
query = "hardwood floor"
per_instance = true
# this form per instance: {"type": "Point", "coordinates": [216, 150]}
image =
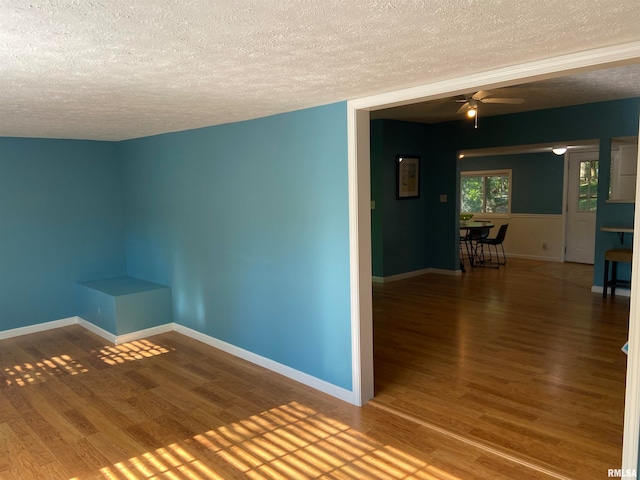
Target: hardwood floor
{"type": "Point", "coordinates": [467, 375]}
{"type": "Point", "coordinates": [169, 407]}
{"type": "Point", "coordinates": [524, 359]}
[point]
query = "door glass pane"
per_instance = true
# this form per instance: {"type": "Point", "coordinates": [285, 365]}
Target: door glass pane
{"type": "Point", "coordinates": [588, 186]}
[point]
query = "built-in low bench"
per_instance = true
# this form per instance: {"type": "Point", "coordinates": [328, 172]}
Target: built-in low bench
{"type": "Point", "coordinates": [123, 305]}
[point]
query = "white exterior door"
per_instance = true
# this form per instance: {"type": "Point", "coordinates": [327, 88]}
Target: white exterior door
{"type": "Point", "coordinates": [581, 207]}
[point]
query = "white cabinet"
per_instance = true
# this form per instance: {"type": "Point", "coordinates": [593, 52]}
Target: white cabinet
{"type": "Point", "coordinates": [624, 160]}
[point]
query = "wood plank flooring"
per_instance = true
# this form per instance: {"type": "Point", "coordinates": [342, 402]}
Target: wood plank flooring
{"type": "Point", "coordinates": [169, 407]}
{"type": "Point", "coordinates": [469, 370]}
{"type": "Point", "coordinates": [524, 359]}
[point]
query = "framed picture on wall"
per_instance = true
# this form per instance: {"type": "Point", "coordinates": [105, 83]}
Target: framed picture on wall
{"type": "Point", "coordinates": [408, 176]}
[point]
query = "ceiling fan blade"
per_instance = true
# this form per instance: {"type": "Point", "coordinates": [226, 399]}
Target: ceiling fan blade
{"type": "Point", "coordinates": [482, 94]}
{"type": "Point", "coordinates": [463, 108]}
{"type": "Point", "coordinates": [511, 101]}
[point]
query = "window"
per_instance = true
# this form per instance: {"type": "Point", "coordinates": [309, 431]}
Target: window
{"type": "Point", "coordinates": [588, 191]}
{"type": "Point", "coordinates": [485, 192]}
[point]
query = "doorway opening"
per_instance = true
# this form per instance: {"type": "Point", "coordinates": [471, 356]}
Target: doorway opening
{"type": "Point", "coordinates": [358, 118]}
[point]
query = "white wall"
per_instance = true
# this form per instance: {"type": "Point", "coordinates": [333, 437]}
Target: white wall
{"type": "Point", "coordinates": [527, 235]}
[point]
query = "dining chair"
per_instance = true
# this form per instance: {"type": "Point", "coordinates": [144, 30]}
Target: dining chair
{"type": "Point", "coordinates": [471, 240]}
{"type": "Point", "coordinates": [496, 242]}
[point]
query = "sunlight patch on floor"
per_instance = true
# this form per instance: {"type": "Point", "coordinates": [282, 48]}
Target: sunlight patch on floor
{"type": "Point", "coordinates": [37, 372]}
{"type": "Point", "coordinates": [289, 442]}
{"type": "Point", "coordinates": [130, 352]}
{"type": "Point", "coordinates": [171, 462]}
{"type": "Point", "coordinates": [33, 373]}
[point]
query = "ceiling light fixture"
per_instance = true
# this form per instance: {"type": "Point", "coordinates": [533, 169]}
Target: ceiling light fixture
{"type": "Point", "coordinates": [472, 112]}
{"type": "Point", "coordinates": [559, 149]}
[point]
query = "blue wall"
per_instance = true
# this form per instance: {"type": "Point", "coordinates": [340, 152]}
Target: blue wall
{"type": "Point", "coordinates": [405, 232]}
{"type": "Point", "coordinates": [536, 179]}
{"type": "Point", "coordinates": [248, 224]}
{"type": "Point", "coordinates": [378, 182]}
{"type": "Point", "coordinates": [61, 221]}
{"type": "Point", "coordinates": [392, 221]}
{"type": "Point", "coordinates": [600, 121]}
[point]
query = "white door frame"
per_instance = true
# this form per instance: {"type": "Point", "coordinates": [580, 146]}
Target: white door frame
{"type": "Point", "coordinates": [360, 222]}
{"type": "Point", "coordinates": [567, 191]}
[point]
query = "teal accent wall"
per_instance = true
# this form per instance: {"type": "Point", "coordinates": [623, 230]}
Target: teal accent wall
{"type": "Point", "coordinates": [61, 221]}
{"type": "Point", "coordinates": [536, 179]}
{"type": "Point", "coordinates": [248, 223]}
{"type": "Point", "coordinates": [597, 121]}
{"type": "Point", "coordinates": [377, 186]}
{"type": "Point", "coordinates": [401, 234]}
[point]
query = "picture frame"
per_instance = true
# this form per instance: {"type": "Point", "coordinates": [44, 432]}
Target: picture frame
{"type": "Point", "coordinates": [407, 176]}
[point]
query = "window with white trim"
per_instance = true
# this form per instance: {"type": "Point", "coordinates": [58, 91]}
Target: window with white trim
{"type": "Point", "coordinates": [485, 192]}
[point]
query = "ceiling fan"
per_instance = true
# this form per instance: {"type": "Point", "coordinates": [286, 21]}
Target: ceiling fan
{"type": "Point", "coordinates": [470, 103]}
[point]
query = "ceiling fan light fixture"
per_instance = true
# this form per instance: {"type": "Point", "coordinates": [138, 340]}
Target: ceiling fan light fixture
{"type": "Point", "coordinates": [472, 112]}
{"type": "Point", "coordinates": [559, 149]}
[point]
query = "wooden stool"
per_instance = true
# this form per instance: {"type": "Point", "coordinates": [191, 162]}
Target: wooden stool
{"type": "Point", "coordinates": [615, 255]}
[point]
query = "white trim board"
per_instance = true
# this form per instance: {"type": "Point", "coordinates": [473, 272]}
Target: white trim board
{"type": "Point", "coordinates": [415, 273]}
{"type": "Point", "coordinates": [620, 292]}
{"type": "Point", "coordinates": [359, 160]}
{"type": "Point", "coordinates": [40, 327]}
{"type": "Point", "coordinates": [65, 322]}
{"type": "Point", "coordinates": [127, 337]}
{"type": "Point", "coordinates": [631, 434]}
{"type": "Point", "coordinates": [298, 376]}
{"type": "Point", "coordinates": [537, 216]}
{"type": "Point", "coordinates": [535, 257]}
{"type": "Point", "coordinates": [269, 364]}
{"type": "Point", "coordinates": [572, 63]}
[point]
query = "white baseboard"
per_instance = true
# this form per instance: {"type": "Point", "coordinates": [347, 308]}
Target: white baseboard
{"type": "Point", "coordinates": [298, 376]}
{"type": "Point", "coordinates": [269, 364]}
{"type": "Point", "coordinates": [621, 292]}
{"type": "Point", "coordinates": [442, 271]}
{"type": "Point", "coordinates": [147, 332]}
{"type": "Point", "coordinates": [127, 337]}
{"type": "Point", "coordinates": [40, 327]}
{"type": "Point", "coordinates": [110, 337]}
{"type": "Point", "coordinates": [415, 273]}
{"type": "Point", "coordinates": [535, 257]}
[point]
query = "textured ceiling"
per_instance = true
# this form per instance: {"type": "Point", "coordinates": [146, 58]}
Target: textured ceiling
{"type": "Point", "coordinates": [598, 86]}
{"type": "Point", "coordinates": [116, 69]}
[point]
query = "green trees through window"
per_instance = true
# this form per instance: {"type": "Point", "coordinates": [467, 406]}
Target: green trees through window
{"type": "Point", "coordinates": [588, 192]}
{"type": "Point", "coordinates": [485, 192]}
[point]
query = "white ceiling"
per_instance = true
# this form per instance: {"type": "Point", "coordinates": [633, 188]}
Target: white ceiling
{"type": "Point", "coordinates": [117, 69]}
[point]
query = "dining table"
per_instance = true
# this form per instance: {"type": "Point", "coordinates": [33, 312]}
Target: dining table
{"type": "Point", "coordinates": [474, 229]}
{"type": "Point", "coordinates": [620, 229]}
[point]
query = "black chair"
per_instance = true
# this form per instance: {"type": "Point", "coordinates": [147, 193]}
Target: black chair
{"type": "Point", "coordinates": [470, 241]}
{"type": "Point", "coordinates": [497, 241]}
{"type": "Point", "coordinates": [463, 243]}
